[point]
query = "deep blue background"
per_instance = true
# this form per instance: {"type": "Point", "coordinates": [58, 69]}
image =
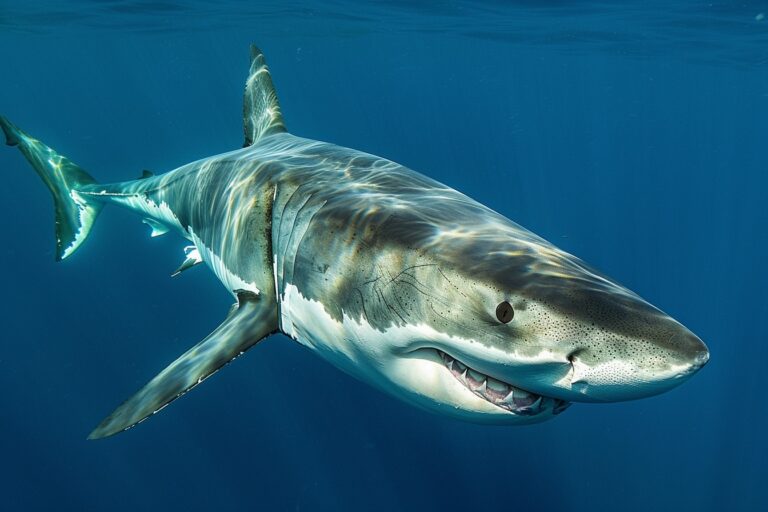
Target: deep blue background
{"type": "Point", "coordinates": [632, 136]}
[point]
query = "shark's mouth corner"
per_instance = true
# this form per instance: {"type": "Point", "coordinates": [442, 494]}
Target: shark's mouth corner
{"type": "Point", "coordinates": [501, 394]}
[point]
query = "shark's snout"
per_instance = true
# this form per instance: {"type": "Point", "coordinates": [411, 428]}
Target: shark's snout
{"type": "Point", "coordinates": [592, 340]}
{"type": "Point", "coordinates": [701, 358]}
{"type": "Point", "coordinates": [692, 349]}
{"type": "Point", "coordinates": [648, 367]}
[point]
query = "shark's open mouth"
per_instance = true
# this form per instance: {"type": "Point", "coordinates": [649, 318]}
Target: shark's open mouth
{"type": "Point", "coordinates": [501, 394]}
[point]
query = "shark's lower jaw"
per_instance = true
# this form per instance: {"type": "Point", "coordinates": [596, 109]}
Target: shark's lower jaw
{"type": "Point", "coordinates": [501, 394]}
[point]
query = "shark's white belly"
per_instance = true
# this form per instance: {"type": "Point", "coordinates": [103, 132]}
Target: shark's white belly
{"type": "Point", "coordinates": [389, 360]}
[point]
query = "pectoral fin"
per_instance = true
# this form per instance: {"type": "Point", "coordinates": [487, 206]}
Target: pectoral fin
{"type": "Point", "coordinates": [158, 228]}
{"type": "Point", "coordinates": [191, 258]}
{"type": "Point", "coordinates": [251, 321]}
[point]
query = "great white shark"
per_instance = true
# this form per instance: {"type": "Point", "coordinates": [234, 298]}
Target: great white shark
{"type": "Point", "coordinates": [391, 276]}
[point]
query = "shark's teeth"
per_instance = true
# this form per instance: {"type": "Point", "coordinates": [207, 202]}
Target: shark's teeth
{"type": "Point", "coordinates": [501, 394]}
{"type": "Point", "coordinates": [522, 398]}
{"type": "Point", "coordinates": [497, 389]}
{"type": "Point", "coordinates": [475, 380]}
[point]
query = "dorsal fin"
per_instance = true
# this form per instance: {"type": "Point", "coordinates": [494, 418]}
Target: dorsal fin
{"type": "Point", "coordinates": [146, 174]}
{"type": "Point", "coordinates": [261, 111]}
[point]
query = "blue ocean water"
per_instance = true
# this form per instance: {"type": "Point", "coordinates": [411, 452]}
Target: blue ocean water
{"type": "Point", "coordinates": [632, 135]}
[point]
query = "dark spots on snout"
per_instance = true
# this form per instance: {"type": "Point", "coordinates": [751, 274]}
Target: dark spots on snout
{"type": "Point", "coordinates": [612, 311]}
{"type": "Point", "coordinates": [612, 323]}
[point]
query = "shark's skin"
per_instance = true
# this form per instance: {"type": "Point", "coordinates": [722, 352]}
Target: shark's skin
{"type": "Point", "coordinates": [389, 275]}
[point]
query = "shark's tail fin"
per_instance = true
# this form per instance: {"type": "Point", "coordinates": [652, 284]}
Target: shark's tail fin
{"type": "Point", "coordinates": [75, 214]}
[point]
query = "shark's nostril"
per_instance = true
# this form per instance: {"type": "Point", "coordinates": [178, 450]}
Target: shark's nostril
{"type": "Point", "coordinates": [575, 354]}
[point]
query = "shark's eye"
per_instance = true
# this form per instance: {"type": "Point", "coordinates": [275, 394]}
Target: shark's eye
{"type": "Point", "coordinates": [504, 312]}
